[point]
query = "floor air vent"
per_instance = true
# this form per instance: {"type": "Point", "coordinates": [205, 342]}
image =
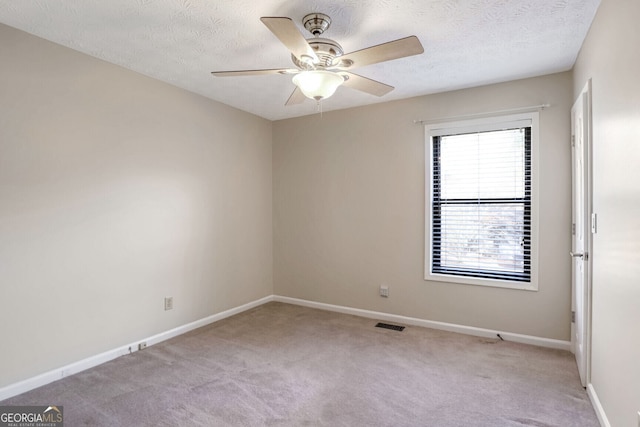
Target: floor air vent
{"type": "Point", "coordinates": [389, 326]}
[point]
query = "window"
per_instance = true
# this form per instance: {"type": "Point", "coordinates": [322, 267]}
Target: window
{"type": "Point", "coordinates": [481, 213]}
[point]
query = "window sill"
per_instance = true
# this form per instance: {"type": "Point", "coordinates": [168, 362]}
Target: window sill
{"type": "Point", "coordinates": [474, 281]}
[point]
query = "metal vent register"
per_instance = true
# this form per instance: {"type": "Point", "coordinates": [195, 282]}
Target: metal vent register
{"type": "Point", "coordinates": [389, 326]}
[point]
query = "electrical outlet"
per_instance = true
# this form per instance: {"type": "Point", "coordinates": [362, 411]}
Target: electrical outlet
{"type": "Point", "coordinates": [168, 303]}
{"type": "Point", "coordinates": [384, 291]}
{"type": "Point", "coordinates": [142, 346]}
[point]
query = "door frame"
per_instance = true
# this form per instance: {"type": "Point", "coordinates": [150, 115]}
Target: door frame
{"type": "Point", "coordinates": [590, 225]}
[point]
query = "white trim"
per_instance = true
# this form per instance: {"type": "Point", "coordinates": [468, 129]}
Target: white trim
{"type": "Point", "coordinates": [597, 406]}
{"type": "Point", "coordinates": [469, 330]}
{"type": "Point", "coordinates": [479, 125]}
{"type": "Point", "coordinates": [494, 122]}
{"type": "Point", "coordinates": [588, 244]}
{"type": "Point", "coordinates": [92, 361]}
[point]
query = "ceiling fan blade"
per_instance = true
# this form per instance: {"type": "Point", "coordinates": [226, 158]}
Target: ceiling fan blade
{"type": "Point", "coordinates": [297, 97]}
{"type": "Point", "coordinates": [254, 72]}
{"type": "Point", "coordinates": [287, 32]}
{"type": "Point", "coordinates": [400, 48]}
{"type": "Point", "coordinates": [367, 85]}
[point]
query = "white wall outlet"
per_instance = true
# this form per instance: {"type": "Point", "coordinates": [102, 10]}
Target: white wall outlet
{"type": "Point", "coordinates": [142, 345]}
{"type": "Point", "coordinates": [168, 303]}
{"type": "Point", "coordinates": [384, 291]}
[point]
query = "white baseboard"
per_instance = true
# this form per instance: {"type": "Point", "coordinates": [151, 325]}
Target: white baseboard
{"type": "Point", "coordinates": [81, 365]}
{"type": "Point", "coordinates": [469, 330]}
{"type": "Point", "coordinates": [597, 406]}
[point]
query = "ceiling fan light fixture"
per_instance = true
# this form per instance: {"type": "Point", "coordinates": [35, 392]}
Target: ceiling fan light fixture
{"type": "Point", "coordinates": [318, 84]}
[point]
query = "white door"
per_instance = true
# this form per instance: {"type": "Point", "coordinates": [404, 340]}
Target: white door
{"type": "Point", "coordinates": [581, 229]}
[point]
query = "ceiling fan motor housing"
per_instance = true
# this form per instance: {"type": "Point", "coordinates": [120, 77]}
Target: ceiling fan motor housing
{"type": "Point", "coordinates": [326, 50]}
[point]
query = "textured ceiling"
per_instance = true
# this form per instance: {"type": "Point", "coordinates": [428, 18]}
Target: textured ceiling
{"type": "Point", "coordinates": [467, 42]}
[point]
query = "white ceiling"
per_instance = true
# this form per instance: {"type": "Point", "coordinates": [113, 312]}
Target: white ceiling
{"type": "Point", "coordinates": [467, 42]}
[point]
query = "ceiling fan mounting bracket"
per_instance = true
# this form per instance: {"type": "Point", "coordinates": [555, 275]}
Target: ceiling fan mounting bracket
{"type": "Point", "coordinates": [316, 23]}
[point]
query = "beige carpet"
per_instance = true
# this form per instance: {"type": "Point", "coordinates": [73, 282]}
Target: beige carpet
{"type": "Point", "coordinates": [284, 365]}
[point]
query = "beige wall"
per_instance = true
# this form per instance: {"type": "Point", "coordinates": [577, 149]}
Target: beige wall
{"type": "Point", "coordinates": [349, 210]}
{"type": "Point", "coordinates": [117, 190]}
{"type": "Point", "coordinates": [610, 58]}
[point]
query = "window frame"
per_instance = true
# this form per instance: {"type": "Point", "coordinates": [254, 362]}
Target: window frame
{"type": "Point", "coordinates": [484, 124]}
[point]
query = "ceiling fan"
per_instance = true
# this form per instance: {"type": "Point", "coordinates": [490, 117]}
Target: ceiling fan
{"type": "Point", "coordinates": [321, 63]}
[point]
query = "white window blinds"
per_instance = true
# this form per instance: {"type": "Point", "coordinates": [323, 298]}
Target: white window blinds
{"type": "Point", "coordinates": [481, 203]}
